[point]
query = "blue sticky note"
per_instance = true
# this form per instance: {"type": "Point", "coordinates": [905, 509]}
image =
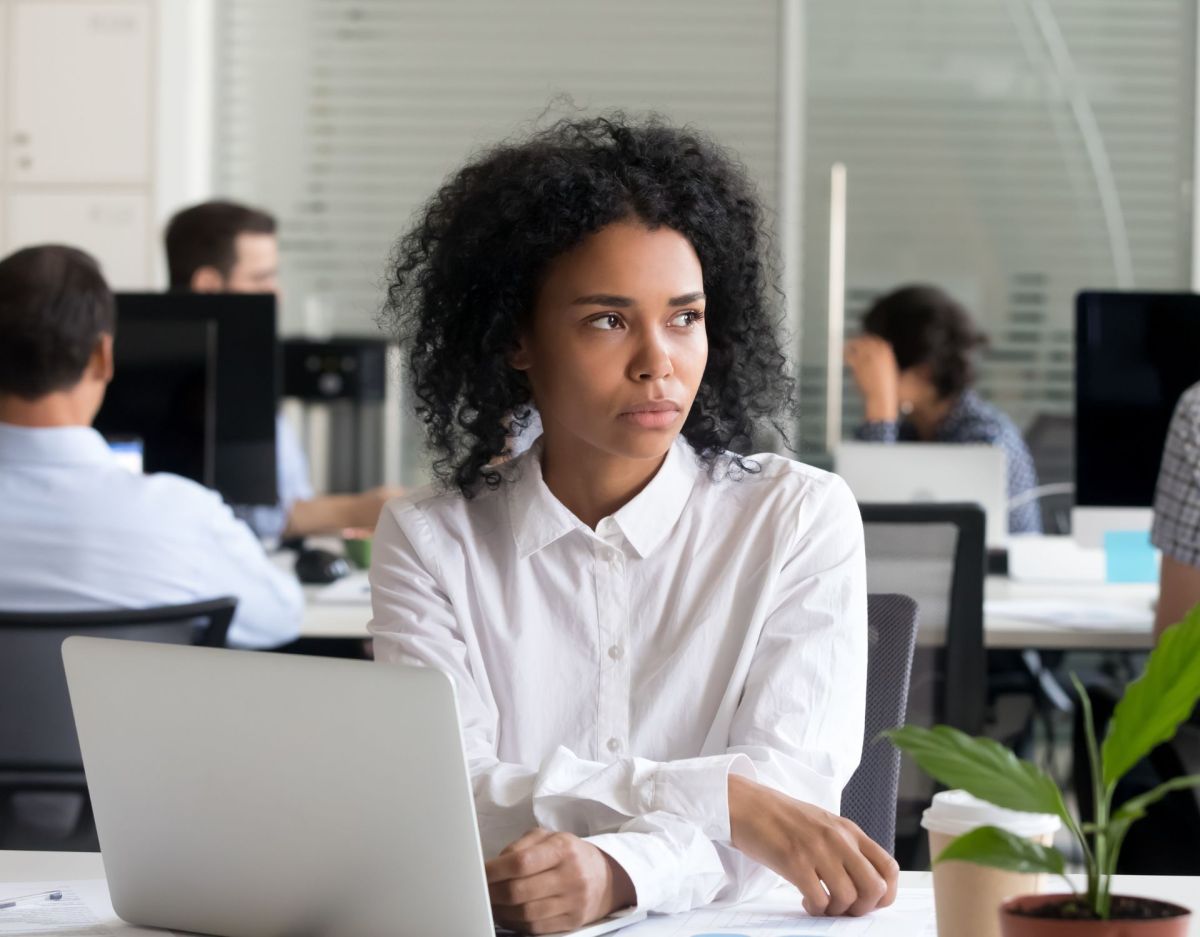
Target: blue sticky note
{"type": "Point", "coordinates": [1129, 556]}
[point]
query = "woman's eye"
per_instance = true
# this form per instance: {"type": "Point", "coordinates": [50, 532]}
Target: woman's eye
{"type": "Point", "coordinates": [608, 322]}
{"type": "Point", "coordinates": [687, 317]}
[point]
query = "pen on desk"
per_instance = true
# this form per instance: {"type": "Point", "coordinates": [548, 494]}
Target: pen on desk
{"type": "Point", "coordinates": [16, 899]}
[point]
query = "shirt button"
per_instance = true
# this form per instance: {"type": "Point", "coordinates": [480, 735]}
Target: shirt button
{"type": "Point", "coordinates": [616, 652]}
{"type": "Point", "coordinates": [614, 745]}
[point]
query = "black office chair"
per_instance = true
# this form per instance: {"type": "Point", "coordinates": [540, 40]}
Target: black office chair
{"type": "Point", "coordinates": [869, 798]}
{"type": "Point", "coordinates": [43, 792]}
{"type": "Point", "coordinates": [934, 553]}
{"type": "Point", "coordinates": [1051, 442]}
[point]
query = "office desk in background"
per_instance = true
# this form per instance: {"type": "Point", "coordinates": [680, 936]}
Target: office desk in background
{"type": "Point", "coordinates": [62, 867]}
{"type": "Point", "coordinates": [343, 610]}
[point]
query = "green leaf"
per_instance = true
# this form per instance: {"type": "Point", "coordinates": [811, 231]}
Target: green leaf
{"type": "Point", "coordinates": [981, 767]}
{"type": "Point", "coordinates": [1154, 704]}
{"type": "Point", "coordinates": [1135, 807]}
{"type": "Point", "coordinates": [989, 845]}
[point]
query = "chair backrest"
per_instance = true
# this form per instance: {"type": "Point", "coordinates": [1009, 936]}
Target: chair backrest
{"type": "Point", "coordinates": [935, 553]}
{"type": "Point", "coordinates": [37, 729]}
{"type": "Point", "coordinates": [1051, 441]}
{"type": "Point", "coordinates": [869, 799]}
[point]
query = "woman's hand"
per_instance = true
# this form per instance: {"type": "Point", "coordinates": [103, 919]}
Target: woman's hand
{"type": "Point", "coordinates": [809, 846]}
{"type": "Point", "coordinates": [548, 882]}
{"type": "Point", "coordinates": [873, 364]}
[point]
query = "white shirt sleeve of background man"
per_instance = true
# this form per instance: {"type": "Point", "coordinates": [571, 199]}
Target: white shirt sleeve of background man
{"type": "Point", "coordinates": [744, 649]}
{"type": "Point", "coordinates": [270, 601]}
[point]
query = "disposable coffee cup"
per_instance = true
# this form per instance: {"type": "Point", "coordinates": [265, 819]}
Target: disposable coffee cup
{"type": "Point", "coordinates": [967, 896]}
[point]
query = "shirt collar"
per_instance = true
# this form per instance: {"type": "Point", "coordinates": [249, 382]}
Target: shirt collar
{"type": "Point", "coordinates": [51, 445]}
{"type": "Point", "coordinates": [539, 518]}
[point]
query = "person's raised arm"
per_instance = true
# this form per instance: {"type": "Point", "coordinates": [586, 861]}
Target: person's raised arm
{"type": "Point", "coordinates": [270, 602]}
{"type": "Point", "coordinates": [873, 365]}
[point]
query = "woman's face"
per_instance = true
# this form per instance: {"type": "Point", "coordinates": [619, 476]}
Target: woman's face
{"type": "Point", "coordinates": [616, 347]}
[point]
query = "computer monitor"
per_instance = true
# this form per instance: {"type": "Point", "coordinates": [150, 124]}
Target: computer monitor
{"type": "Point", "coordinates": [1135, 355]}
{"type": "Point", "coordinates": [128, 452]}
{"type": "Point", "coordinates": [196, 379]}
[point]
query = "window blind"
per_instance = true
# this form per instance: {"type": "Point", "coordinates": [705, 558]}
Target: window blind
{"type": "Point", "coordinates": [1012, 151]}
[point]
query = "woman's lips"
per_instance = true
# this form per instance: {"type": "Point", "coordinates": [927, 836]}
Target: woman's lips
{"type": "Point", "coordinates": [652, 416]}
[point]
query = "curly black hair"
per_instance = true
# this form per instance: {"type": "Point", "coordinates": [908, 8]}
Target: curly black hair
{"type": "Point", "coordinates": [926, 326]}
{"type": "Point", "coordinates": [464, 280]}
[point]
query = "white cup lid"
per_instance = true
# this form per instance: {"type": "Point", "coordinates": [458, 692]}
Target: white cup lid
{"type": "Point", "coordinates": [956, 812]}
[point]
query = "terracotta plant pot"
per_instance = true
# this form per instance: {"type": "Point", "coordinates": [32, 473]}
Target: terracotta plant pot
{"type": "Point", "coordinates": [1015, 924]}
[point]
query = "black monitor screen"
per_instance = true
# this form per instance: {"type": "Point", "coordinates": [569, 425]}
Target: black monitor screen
{"type": "Point", "coordinates": [1135, 355]}
{"type": "Point", "coordinates": [165, 394]}
{"type": "Point", "coordinates": [196, 378]}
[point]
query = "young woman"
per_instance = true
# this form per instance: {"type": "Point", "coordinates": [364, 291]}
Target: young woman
{"type": "Point", "coordinates": [913, 366]}
{"type": "Point", "coordinates": [659, 645]}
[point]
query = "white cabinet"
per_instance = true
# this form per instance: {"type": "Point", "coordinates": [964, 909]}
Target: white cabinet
{"type": "Point", "coordinates": [80, 91]}
{"type": "Point", "coordinates": [112, 227]}
{"type": "Point", "coordinates": [77, 125]}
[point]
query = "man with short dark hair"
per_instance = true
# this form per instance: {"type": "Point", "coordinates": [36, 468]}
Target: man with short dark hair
{"type": "Point", "coordinates": [222, 247]}
{"type": "Point", "coordinates": [79, 531]}
{"type": "Point", "coordinates": [226, 247]}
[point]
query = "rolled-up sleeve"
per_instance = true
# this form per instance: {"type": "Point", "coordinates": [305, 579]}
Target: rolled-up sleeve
{"type": "Point", "coordinates": [878, 431]}
{"type": "Point", "coordinates": [270, 601]}
{"type": "Point", "coordinates": [1176, 528]}
{"type": "Point", "coordinates": [800, 720]}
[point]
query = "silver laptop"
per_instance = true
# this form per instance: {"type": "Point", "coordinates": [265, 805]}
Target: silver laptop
{"type": "Point", "coordinates": [259, 795]}
{"type": "Point", "coordinates": [914, 472]}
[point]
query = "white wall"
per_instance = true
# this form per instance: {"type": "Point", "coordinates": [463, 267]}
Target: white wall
{"type": "Point", "coordinates": [106, 123]}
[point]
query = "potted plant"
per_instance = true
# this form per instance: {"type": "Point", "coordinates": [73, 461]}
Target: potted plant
{"type": "Point", "coordinates": [1148, 714]}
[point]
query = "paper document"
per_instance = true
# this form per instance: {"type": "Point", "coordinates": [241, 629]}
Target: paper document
{"type": "Point", "coordinates": [349, 590]}
{"type": "Point", "coordinates": [85, 910]}
{"type": "Point", "coordinates": [69, 914]}
{"type": "Point", "coordinates": [1068, 614]}
{"type": "Point", "coordinates": [910, 916]}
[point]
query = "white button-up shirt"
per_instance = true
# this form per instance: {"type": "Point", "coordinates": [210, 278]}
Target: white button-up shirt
{"type": "Point", "coordinates": [609, 681]}
{"type": "Point", "coordinates": [78, 531]}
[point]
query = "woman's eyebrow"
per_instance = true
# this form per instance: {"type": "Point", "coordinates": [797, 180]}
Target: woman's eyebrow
{"type": "Point", "coordinates": [624, 302]}
{"type": "Point", "coordinates": [603, 299]}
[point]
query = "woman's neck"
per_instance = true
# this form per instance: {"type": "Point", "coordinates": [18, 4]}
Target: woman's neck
{"type": "Point", "coordinates": [927, 417]}
{"type": "Point", "coordinates": [591, 483]}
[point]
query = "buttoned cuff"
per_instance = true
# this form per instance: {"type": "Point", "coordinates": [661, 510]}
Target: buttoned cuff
{"type": "Point", "coordinates": [640, 855]}
{"type": "Point", "coordinates": [878, 431]}
{"type": "Point", "coordinates": [697, 789]}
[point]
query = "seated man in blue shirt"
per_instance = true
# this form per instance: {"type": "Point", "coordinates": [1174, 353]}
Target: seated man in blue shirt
{"type": "Point", "coordinates": [79, 531]}
{"type": "Point", "coordinates": [913, 366]}
{"type": "Point", "coordinates": [224, 247]}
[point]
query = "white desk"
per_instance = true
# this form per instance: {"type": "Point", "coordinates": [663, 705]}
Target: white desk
{"type": "Point", "coordinates": [335, 619]}
{"type": "Point", "coordinates": [68, 866]}
{"type": "Point", "coordinates": [1003, 632]}
{"type": "Point", "coordinates": [349, 619]}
